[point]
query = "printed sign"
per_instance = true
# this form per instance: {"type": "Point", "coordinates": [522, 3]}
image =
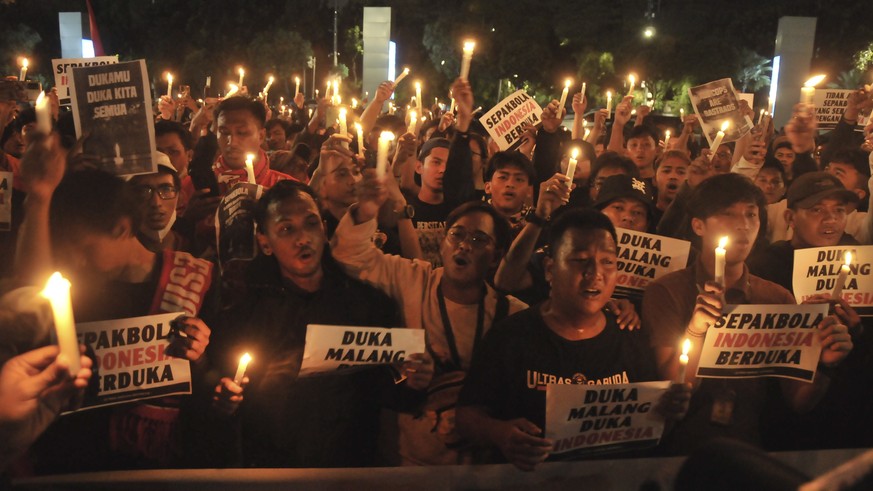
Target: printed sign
{"type": "Point", "coordinates": [816, 271]}
{"type": "Point", "coordinates": [830, 104]}
{"type": "Point", "coordinates": [112, 104]}
{"type": "Point", "coordinates": [763, 341]}
{"type": "Point", "coordinates": [235, 223]}
{"type": "Point", "coordinates": [643, 257]}
{"type": "Point", "coordinates": [506, 120]}
{"type": "Point", "coordinates": [61, 68]}
{"type": "Point", "coordinates": [5, 201]}
{"type": "Point", "coordinates": [330, 348]}
{"type": "Point", "coordinates": [604, 418]}
{"type": "Point", "coordinates": [717, 102]}
{"type": "Point", "coordinates": [130, 360]}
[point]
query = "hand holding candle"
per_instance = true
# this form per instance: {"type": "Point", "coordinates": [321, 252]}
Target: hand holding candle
{"type": "Point", "coordinates": [400, 77]}
{"type": "Point", "coordinates": [250, 167]}
{"type": "Point", "coordinates": [632, 80]}
{"type": "Point", "coordinates": [382, 153]}
{"type": "Point", "coordinates": [683, 360]}
{"type": "Point", "coordinates": [241, 369]}
{"type": "Point", "coordinates": [720, 253]}
{"type": "Point", "coordinates": [844, 274]}
{"type": "Point", "coordinates": [718, 139]}
{"type": "Point", "coordinates": [469, 46]}
{"type": "Point", "coordinates": [57, 292]}
{"type": "Point", "coordinates": [571, 164]}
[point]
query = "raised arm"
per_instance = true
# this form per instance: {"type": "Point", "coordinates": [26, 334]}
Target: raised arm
{"type": "Point", "coordinates": [372, 111]}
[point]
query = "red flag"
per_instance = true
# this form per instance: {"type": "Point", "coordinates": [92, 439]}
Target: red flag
{"type": "Point", "coordinates": [95, 34]}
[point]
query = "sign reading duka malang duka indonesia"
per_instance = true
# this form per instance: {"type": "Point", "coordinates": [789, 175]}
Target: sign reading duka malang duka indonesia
{"type": "Point", "coordinates": [331, 348]}
{"type": "Point", "coordinates": [642, 258]}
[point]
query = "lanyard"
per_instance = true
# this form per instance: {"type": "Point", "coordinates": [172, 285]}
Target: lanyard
{"type": "Point", "coordinates": [450, 335]}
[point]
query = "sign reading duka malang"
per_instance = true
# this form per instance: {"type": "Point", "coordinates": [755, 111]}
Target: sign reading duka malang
{"type": "Point", "coordinates": [604, 418]}
{"type": "Point", "coordinates": [331, 348]}
{"type": "Point", "coordinates": [817, 269]}
{"type": "Point", "coordinates": [643, 257]}
{"type": "Point", "coordinates": [763, 341]}
{"type": "Point", "coordinates": [505, 121]}
{"type": "Point", "coordinates": [112, 106]}
{"type": "Point", "coordinates": [131, 361]}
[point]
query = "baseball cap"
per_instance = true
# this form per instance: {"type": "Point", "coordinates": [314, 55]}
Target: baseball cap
{"type": "Point", "coordinates": [431, 144]}
{"type": "Point", "coordinates": [812, 187]}
{"type": "Point", "coordinates": [624, 186]}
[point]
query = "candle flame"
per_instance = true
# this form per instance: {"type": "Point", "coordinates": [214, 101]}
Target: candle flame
{"type": "Point", "coordinates": [358, 127]}
{"type": "Point", "coordinates": [245, 359]}
{"type": "Point", "coordinates": [241, 71]}
{"type": "Point", "coordinates": [417, 85]}
{"type": "Point", "coordinates": [41, 100]}
{"type": "Point", "coordinates": [667, 134]}
{"type": "Point", "coordinates": [574, 153]}
{"type": "Point", "coordinates": [386, 135]}
{"type": "Point", "coordinates": [812, 82]}
{"type": "Point", "coordinates": [297, 80]}
{"type": "Point", "coordinates": [469, 46]}
{"type": "Point", "coordinates": [686, 347]}
{"type": "Point", "coordinates": [567, 83]}
{"type": "Point", "coordinates": [725, 125]}
{"type": "Point", "coordinates": [170, 77]}
{"type": "Point", "coordinates": [412, 116]}
{"type": "Point", "coordinates": [25, 63]}
{"type": "Point", "coordinates": [271, 79]}
{"type": "Point", "coordinates": [342, 112]}
{"type": "Point", "coordinates": [632, 79]}
{"type": "Point", "coordinates": [354, 102]}
{"type": "Point", "coordinates": [233, 90]}
{"type": "Point", "coordinates": [608, 94]}
{"type": "Point", "coordinates": [847, 258]}
{"type": "Point", "coordinates": [56, 286]}
{"type": "Point", "coordinates": [250, 158]}
{"type": "Point", "coordinates": [722, 242]}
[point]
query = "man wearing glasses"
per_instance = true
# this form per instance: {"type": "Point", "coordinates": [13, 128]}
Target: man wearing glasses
{"type": "Point", "coordinates": [158, 195]}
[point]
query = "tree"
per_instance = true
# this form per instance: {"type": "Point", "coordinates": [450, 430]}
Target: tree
{"type": "Point", "coordinates": [753, 74]}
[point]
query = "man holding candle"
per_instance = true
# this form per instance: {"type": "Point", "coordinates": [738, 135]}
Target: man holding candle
{"type": "Point", "coordinates": [685, 303]}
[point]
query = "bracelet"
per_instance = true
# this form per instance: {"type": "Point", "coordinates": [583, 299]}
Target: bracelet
{"type": "Point", "coordinates": [532, 218]}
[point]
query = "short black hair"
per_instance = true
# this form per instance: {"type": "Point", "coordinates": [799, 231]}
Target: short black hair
{"type": "Point", "coordinates": [163, 127]}
{"type": "Point", "coordinates": [721, 191]}
{"type": "Point", "coordinates": [612, 160]}
{"type": "Point", "coordinates": [241, 103]}
{"type": "Point", "coordinates": [855, 157]}
{"type": "Point", "coordinates": [502, 230]}
{"type": "Point", "coordinates": [277, 122]}
{"type": "Point", "coordinates": [279, 192]}
{"type": "Point", "coordinates": [643, 131]}
{"type": "Point", "coordinates": [92, 201]}
{"type": "Point", "coordinates": [510, 158]}
{"type": "Point", "coordinates": [577, 218]}
{"type": "Point", "coordinates": [672, 154]}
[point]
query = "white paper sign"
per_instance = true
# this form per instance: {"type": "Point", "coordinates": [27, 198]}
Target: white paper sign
{"type": "Point", "coordinates": [604, 418]}
{"type": "Point", "coordinates": [816, 270]}
{"type": "Point", "coordinates": [61, 68]}
{"type": "Point", "coordinates": [505, 121]}
{"type": "Point", "coordinates": [330, 348]}
{"type": "Point", "coordinates": [752, 341]}
{"type": "Point", "coordinates": [643, 257]}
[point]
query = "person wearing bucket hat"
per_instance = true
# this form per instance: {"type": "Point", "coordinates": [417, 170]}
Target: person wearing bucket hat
{"type": "Point", "coordinates": [158, 194]}
{"type": "Point", "coordinates": [627, 202]}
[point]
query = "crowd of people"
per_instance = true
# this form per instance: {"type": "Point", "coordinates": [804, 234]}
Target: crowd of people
{"type": "Point", "coordinates": [506, 263]}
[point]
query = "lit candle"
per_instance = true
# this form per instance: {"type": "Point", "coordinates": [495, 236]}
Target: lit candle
{"type": "Point", "coordinates": [250, 167]}
{"type": "Point", "coordinates": [413, 122]}
{"type": "Point", "coordinates": [382, 153]}
{"type": "Point", "coordinates": [587, 132]}
{"type": "Point", "coordinates": [242, 74]}
{"type": "Point", "coordinates": [844, 273]}
{"type": "Point", "coordinates": [23, 74]}
{"type": "Point", "coordinates": [720, 252]}
{"type": "Point", "coordinates": [400, 77]}
{"type": "Point", "coordinates": [564, 95]}
{"type": "Point", "coordinates": [241, 369]}
{"type": "Point", "coordinates": [683, 360]}
{"type": "Point", "coordinates": [343, 125]}
{"type": "Point", "coordinates": [571, 164]}
{"type": "Point", "coordinates": [632, 80]}
{"type": "Point", "coordinates": [718, 138]}
{"type": "Point", "coordinates": [360, 131]}
{"type": "Point", "coordinates": [233, 90]}
{"type": "Point", "coordinates": [267, 87]}
{"type": "Point", "coordinates": [57, 292]}
{"type": "Point", "coordinates": [336, 86]}
{"type": "Point", "coordinates": [43, 114]}
{"type": "Point", "coordinates": [808, 90]}
{"type": "Point", "coordinates": [209, 81]}
{"type": "Point", "coordinates": [681, 115]}
{"type": "Point", "coordinates": [390, 108]}
{"type": "Point", "coordinates": [608, 103]}
{"type": "Point", "coordinates": [584, 85]}
{"type": "Point", "coordinates": [452, 106]}
{"type": "Point", "coordinates": [170, 85]}
{"type": "Point", "coordinates": [467, 58]}
{"type": "Point", "coordinates": [666, 139]}
{"type": "Point", "coordinates": [354, 103]}
{"type": "Point", "coordinates": [327, 90]}
{"type": "Point", "coordinates": [296, 86]}
{"type": "Point", "coordinates": [418, 96]}
{"type": "Point", "coordinates": [316, 93]}
{"type": "Point", "coordinates": [761, 117]}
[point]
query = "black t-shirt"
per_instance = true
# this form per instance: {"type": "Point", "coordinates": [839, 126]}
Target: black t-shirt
{"type": "Point", "coordinates": [522, 354]}
{"type": "Point", "coordinates": [430, 225]}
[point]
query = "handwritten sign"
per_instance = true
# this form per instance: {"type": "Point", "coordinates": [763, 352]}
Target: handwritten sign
{"type": "Point", "coordinates": [604, 418]}
{"type": "Point", "coordinates": [61, 68]}
{"type": "Point", "coordinates": [816, 270]}
{"type": "Point", "coordinates": [505, 121]}
{"type": "Point", "coordinates": [717, 102]}
{"type": "Point", "coordinates": [763, 341]}
{"type": "Point", "coordinates": [643, 257]}
{"type": "Point", "coordinates": [331, 348]}
{"type": "Point", "coordinates": [112, 104]}
{"type": "Point", "coordinates": [131, 362]}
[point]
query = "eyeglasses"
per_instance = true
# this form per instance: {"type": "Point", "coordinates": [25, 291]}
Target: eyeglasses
{"type": "Point", "coordinates": [165, 191]}
{"type": "Point", "coordinates": [478, 240]}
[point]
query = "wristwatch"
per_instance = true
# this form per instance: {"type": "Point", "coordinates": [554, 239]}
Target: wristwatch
{"type": "Point", "coordinates": [532, 217]}
{"type": "Point", "coordinates": [405, 212]}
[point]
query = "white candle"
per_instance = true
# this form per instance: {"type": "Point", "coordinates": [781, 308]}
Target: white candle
{"type": "Point", "coordinates": [418, 96]}
{"type": "Point", "coordinates": [296, 86]}
{"type": "Point", "coordinates": [681, 115]}
{"type": "Point", "coordinates": [720, 253]}
{"type": "Point", "coordinates": [57, 292]}
{"type": "Point", "coordinates": [632, 80]}
{"type": "Point", "coordinates": [170, 85]}
{"type": "Point", "coordinates": [452, 105]}
{"type": "Point", "coordinates": [666, 139]}
{"type": "Point", "coordinates": [469, 46]}
{"type": "Point", "coordinates": [316, 93]}
{"type": "Point", "coordinates": [267, 87]}
{"type": "Point", "coordinates": [23, 74]}
{"type": "Point", "coordinates": [683, 360]}
{"type": "Point", "coordinates": [250, 167]}
{"type": "Point", "coordinates": [564, 95]}
{"type": "Point", "coordinates": [360, 131]}
{"type": "Point", "coordinates": [209, 81]}
{"type": "Point", "coordinates": [390, 108]}
{"type": "Point", "coordinates": [608, 103]}
{"type": "Point", "coordinates": [241, 369]}
{"type": "Point", "coordinates": [354, 103]}
{"type": "Point", "coordinates": [233, 90]}
{"type": "Point", "coordinates": [382, 153]}
{"type": "Point", "coordinates": [571, 164]}
{"type": "Point", "coordinates": [844, 273]}
{"type": "Point", "coordinates": [718, 138]}
{"type": "Point", "coordinates": [584, 85]}
{"type": "Point", "coordinates": [343, 125]}
{"type": "Point", "coordinates": [413, 122]}
{"type": "Point", "coordinates": [242, 74]}
{"type": "Point", "coordinates": [43, 114]}
{"type": "Point", "coordinates": [400, 77]}
{"type": "Point", "coordinates": [808, 90]}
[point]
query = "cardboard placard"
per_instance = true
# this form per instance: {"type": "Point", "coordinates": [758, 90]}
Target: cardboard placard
{"type": "Point", "coordinates": [61, 68]}
{"type": "Point", "coordinates": [716, 102]}
{"type": "Point", "coordinates": [130, 360]}
{"type": "Point", "coordinates": [505, 121]}
{"type": "Point", "coordinates": [331, 348]}
{"type": "Point", "coordinates": [112, 104]}
{"type": "Point", "coordinates": [816, 270]}
{"type": "Point", "coordinates": [752, 341]}
{"type": "Point", "coordinates": [235, 223]}
{"type": "Point", "coordinates": [604, 418]}
{"type": "Point", "coordinates": [642, 258]}
{"type": "Point", "coordinates": [830, 105]}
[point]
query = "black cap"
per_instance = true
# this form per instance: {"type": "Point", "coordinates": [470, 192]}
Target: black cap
{"type": "Point", "coordinates": [624, 186]}
{"type": "Point", "coordinates": [431, 144]}
{"type": "Point", "coordinates": [812, 187]}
